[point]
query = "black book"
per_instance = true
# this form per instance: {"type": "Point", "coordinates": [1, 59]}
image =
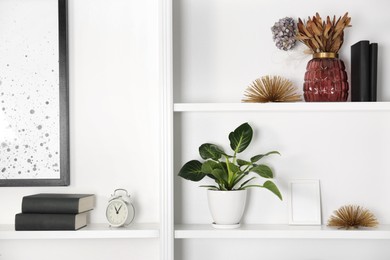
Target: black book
{"type": "Point", "coordinates": [37, 221]}
{"type": "Point", "coordinates": [373, 70]}
{"type": "Point", "coordinates": [57, 203]}
{"type": "Point", "coordinates": [360, 71]}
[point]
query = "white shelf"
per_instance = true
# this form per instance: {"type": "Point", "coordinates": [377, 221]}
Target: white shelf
{"type": "Point", "coordinates": [280, 232]}
{"type": "Point", "coordinates": [282, 107]}
{"type": "Point", "coordinates": [92, 231]}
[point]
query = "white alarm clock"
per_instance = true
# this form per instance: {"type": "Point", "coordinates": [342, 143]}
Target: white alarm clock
{"type": "Point", "coordinates": [120, 211]}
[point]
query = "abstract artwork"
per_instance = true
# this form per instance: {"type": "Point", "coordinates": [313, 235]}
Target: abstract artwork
{"type": "Point", "coordinates": [34, 125]}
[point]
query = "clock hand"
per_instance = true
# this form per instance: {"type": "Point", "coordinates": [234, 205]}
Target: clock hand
{"type": "Point", "coordinates": [119, 208]}
{"type": "Point", "coordinates": [116, 210]}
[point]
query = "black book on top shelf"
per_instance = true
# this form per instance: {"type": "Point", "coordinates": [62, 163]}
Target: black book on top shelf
{"type": "Point", "coordinates": [360, 71]}
{"type": "Point", "coordinates": [37, 221]}
{"type": "Point", "coordinates": [58, 203]}
{"type": "Point", "coordinates": [373, 70]}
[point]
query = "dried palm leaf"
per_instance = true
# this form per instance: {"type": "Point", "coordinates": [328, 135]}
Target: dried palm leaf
{"type": "Point", "coordinates": [271, 89]}
{"type": "Point", "coordinates": [321, 36]}
{"type": "Point", "coordinates": [352, 216]}
{"type": "Point", "coordinates": [318, 17]}
{"type": "Point", "coordinates": [317, 29]}
{"type": "Point", "coordinates": [302, 29]}
{"type": "Point", "coordinates": [319, 41]}
{"type": "Point", "coordinates": [318, 20]}
{"type": "Point", "coordinates": [327, 28]}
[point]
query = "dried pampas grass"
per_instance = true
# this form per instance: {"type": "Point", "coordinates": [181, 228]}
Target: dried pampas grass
{"type": "Point", "coordinates": [352, 216]}
{"type": "Point", "coordinates": [271, 89]}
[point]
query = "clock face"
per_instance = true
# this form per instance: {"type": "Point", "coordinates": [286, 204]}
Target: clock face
{"type": "Point", "coordinates": [117, 213]}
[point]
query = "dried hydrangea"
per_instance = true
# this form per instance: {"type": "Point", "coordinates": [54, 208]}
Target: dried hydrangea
{"type": "Point", "coordinates": [284, 32]}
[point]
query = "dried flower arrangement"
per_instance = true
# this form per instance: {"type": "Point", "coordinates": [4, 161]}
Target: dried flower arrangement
{"type": "Point", "coordinates": [283, 33]}
{"type": "Point", "coordinates": [271, 89]}
{"type": "Point", "coordinates": [351, 217]}
{"type": "Point", "coordinates": [323, 36]}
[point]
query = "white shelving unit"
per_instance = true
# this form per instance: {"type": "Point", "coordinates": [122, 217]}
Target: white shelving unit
{"type": "Point", "coordinates": [167, 231]}
{"type": "Point", "coordinates": [188, 102]}
{"type": "Point", "coordinates": [92, 231]}
{"type": "Point", "coordinates": [279, 232]}
{"type": "Point", "coordinates": [282, 107]}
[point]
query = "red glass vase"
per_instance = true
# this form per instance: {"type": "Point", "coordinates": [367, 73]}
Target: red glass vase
{"type": "Point", "coordinates": [325, 79]}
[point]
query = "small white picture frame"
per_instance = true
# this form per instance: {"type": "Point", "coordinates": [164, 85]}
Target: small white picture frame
{"type": "Point", "coordinates": [304, 202]}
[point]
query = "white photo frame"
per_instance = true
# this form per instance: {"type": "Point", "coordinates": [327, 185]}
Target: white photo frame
{"type": "Point", "coordinates": [304, 202]}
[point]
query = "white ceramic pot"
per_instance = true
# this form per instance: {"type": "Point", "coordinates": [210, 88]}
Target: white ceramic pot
{"type": "Point", "coordinates": [227, 207]}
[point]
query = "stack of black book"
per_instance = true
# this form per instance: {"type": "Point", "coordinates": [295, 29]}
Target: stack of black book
{"type": "Point", "coordinates": [54, 211]}
{"type": "Point", "coordinates": [364, 59]}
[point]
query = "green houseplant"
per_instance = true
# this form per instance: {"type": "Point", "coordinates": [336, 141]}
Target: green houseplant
{"type": "Point", "coordinates": [229, 172]}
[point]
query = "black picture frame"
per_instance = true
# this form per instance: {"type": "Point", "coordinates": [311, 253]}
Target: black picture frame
{"type": "Point", "coordinates": [63, 91]}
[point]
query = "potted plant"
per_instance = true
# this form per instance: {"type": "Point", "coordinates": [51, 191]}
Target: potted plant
{"type": "Point", "coordinates": [231, 175]}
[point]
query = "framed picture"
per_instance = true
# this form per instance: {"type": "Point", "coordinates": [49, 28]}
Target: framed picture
{"type": "Point", "coordinates": [304, 202]}
{"type": "Point", "coordinates": [34, 102]}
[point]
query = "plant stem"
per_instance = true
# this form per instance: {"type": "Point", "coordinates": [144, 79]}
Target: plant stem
{"type": "Point", "coordinates": [230, 174]}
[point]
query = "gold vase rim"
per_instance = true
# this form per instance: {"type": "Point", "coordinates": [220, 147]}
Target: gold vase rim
{"type": "Point", "coordinates": [325, 55]}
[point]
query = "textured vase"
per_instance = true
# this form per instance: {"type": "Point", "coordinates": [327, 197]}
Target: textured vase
{"type": "Point", "coordinates": [325, 79]}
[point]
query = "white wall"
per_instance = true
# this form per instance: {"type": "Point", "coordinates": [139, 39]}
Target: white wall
{"type": "Point", "coordinates": [113, 53]}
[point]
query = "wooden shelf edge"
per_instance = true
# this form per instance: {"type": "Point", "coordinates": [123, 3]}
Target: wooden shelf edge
{"type": "Point", "coordinates": [280, 232]}
{"type": "Point", "coordinates": [282, 107]}
{"type": "Point", "coordinates": [91, 231]}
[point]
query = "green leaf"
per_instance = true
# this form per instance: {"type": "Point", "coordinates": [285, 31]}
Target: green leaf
{"type": "Point", "coordinates": [269, 185]}
{"type": "Point", "coordinates": [223, 166]}
{"type": "Point", "coordinates": [209, 166]}
{"type": "Point", "coordinates": [215, 171]}
{"type": "Point", "coordinates": [210, 151]}
{"type": "Point", "coordinates": [192, 171]}
{"type": "Point", "coordinates": [260, 156]}
{"type": "Point", "coordinates": [263, 170]}
{"type": "Point", "coordinates": [243, 162]}
{"type": "Point", "coordinates": [237, 177]}
{"type": "Point", "coordinates": [234, 168]}
{"type": "Point", "coordinates": [220, 176]}
{"type": "Point", "coordinates": [241, 138]}
{"type": "Point", "coordinates": [233, 173]}
{"type": "Point", "coordinates": [245, 182]}
{"type": "Point", "coordinates": [210, 176]}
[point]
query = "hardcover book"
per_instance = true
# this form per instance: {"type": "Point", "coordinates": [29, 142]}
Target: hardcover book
{"type": "Point", "coordinates": [37, 221]}
{"type": "Point", "coordinates": [373, 70]}
{"type": "Point", "coordinates": [360, 71]}
{"type": "Point", "coordinates": [58, 203]}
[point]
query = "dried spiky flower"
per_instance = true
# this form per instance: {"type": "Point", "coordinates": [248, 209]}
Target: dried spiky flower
{"type": "Point", "coordinates": [271, 89]}
{"type": "Point", "coordinates": [323, 36]}
{"type": "Point", "coordinates": [352, 216]}
{"type": "Point", "coordinates": [283, 33]}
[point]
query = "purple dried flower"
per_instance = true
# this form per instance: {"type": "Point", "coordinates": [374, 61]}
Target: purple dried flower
{"type": "Point", "coordinates": [284, 32]}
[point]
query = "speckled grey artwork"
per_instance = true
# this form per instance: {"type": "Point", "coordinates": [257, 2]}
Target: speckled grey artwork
{"type": "Point", "coordinates": [29, 90]}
